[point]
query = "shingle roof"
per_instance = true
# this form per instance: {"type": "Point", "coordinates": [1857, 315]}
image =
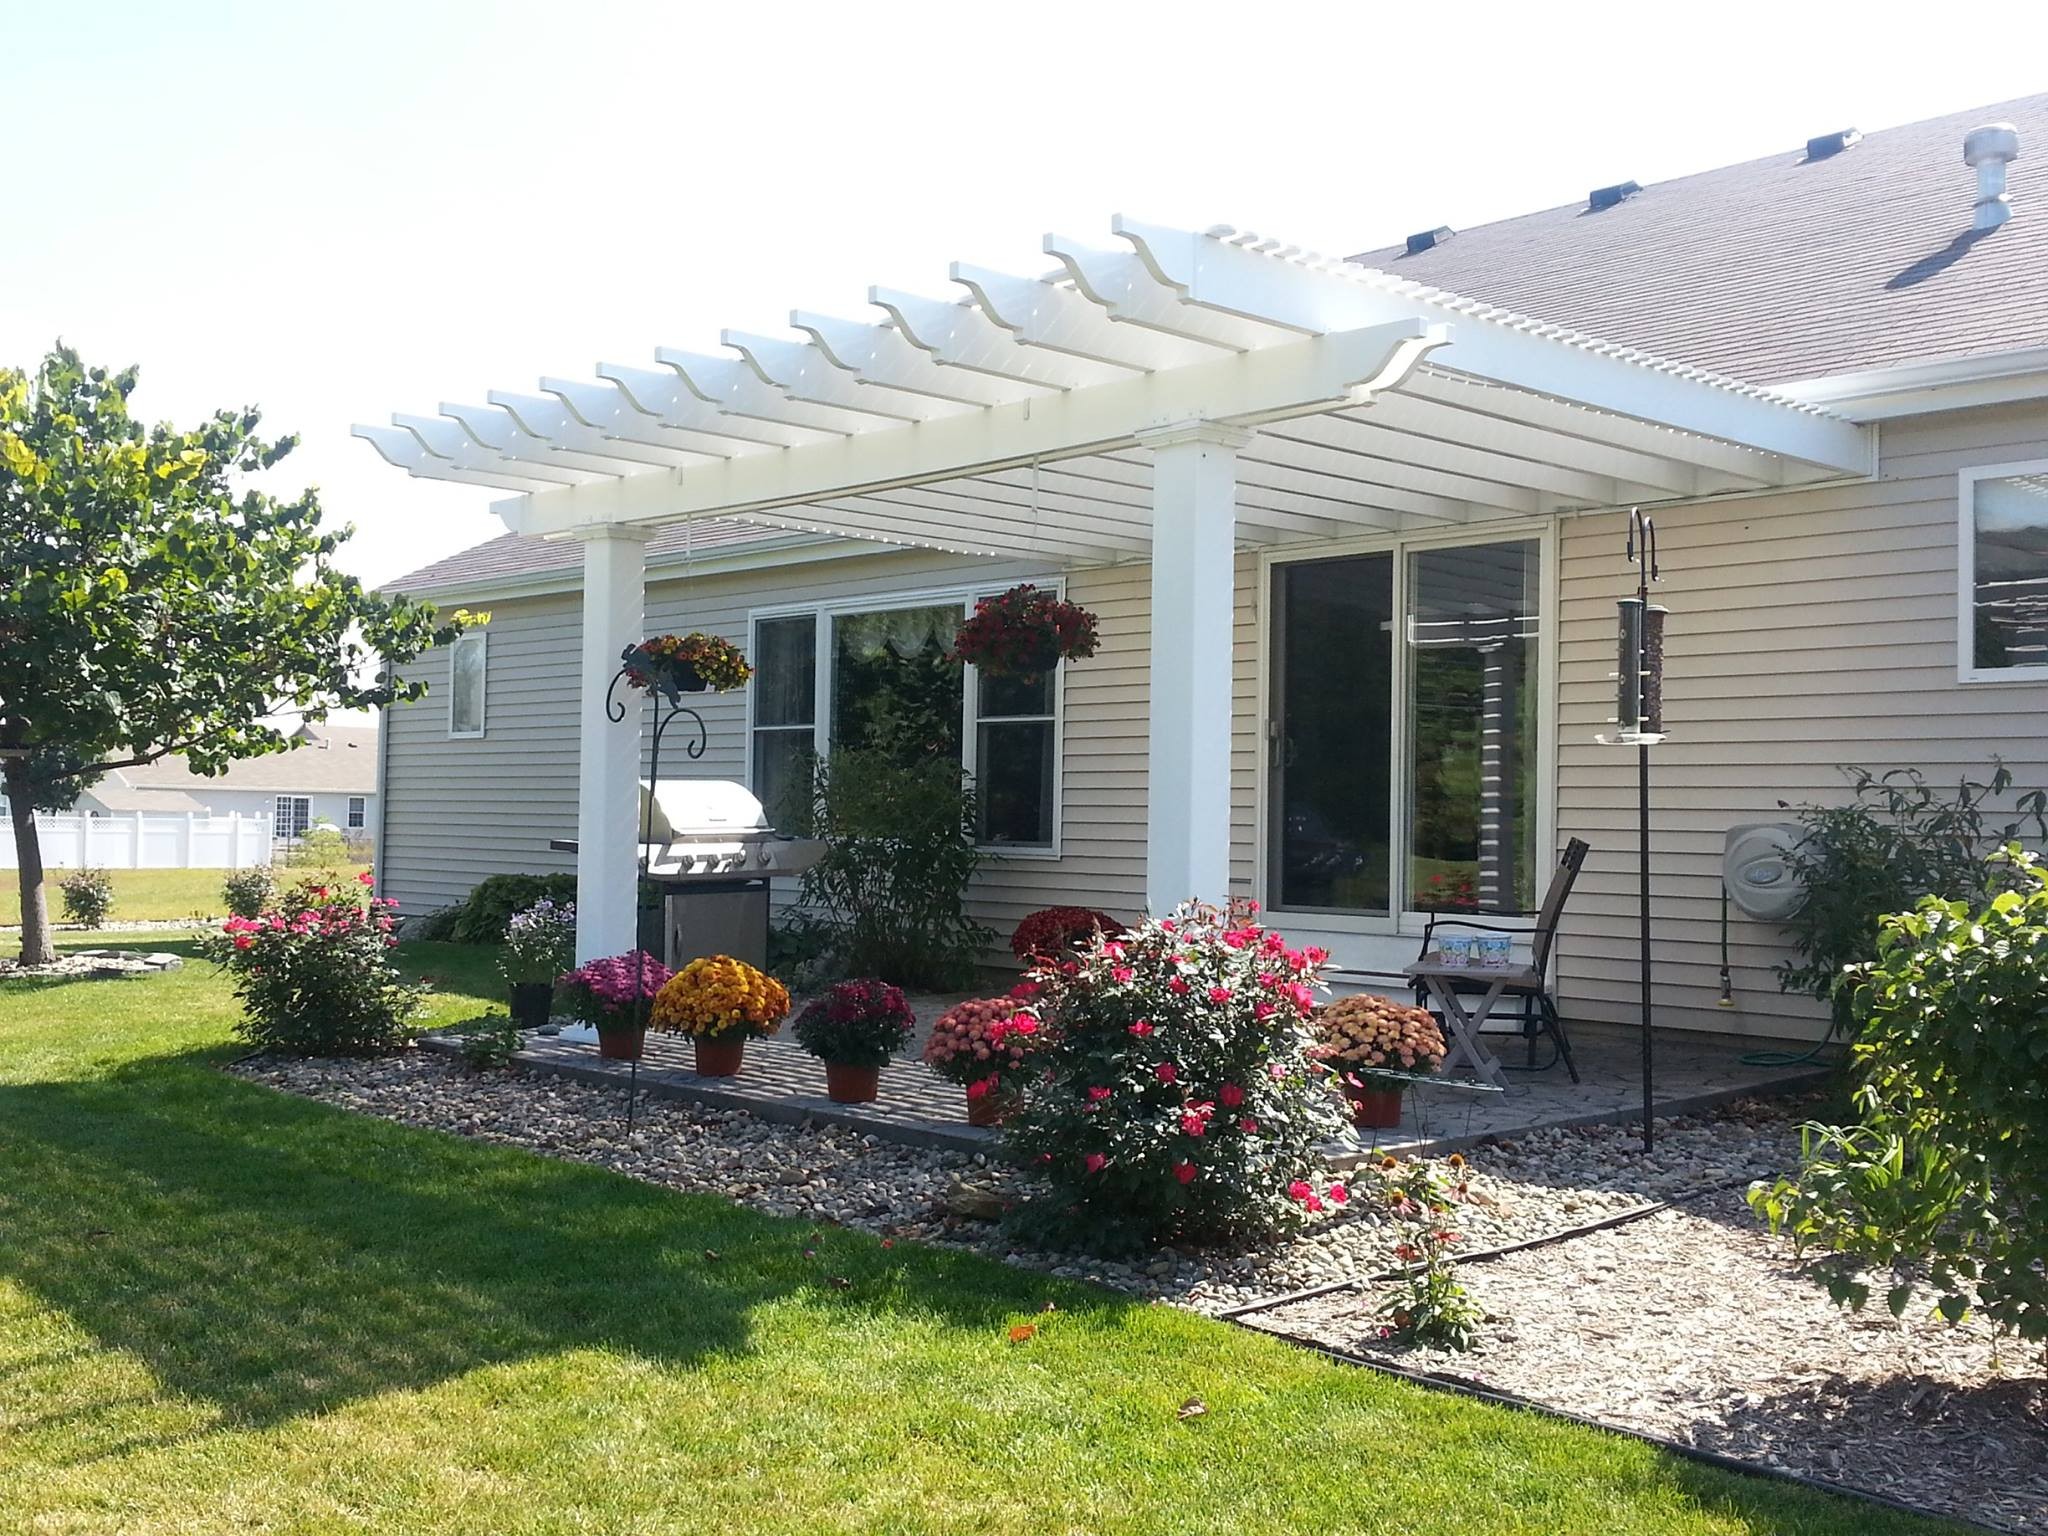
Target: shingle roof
{"type": "Point", "coordinates": [1785, 267]}
{"type": "Point", "coordinates": [514, 557]}
{"type": "Point", "coordinates": [332, 760]}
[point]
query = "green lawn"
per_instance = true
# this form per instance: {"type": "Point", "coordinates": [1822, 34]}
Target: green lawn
{"type": "Point", "coordinates": [223, 1309]}
{"type": "Point", "coordinates": [143, 895]}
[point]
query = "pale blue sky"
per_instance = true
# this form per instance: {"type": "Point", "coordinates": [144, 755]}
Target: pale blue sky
{"type": "Point", "coordinates": [340, 211]}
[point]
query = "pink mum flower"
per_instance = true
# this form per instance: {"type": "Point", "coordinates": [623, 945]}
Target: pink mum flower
{"type": "Point", "coordinates": [1094, 1162]}
{"type": "Point", "coordinates": [1166, 1072]}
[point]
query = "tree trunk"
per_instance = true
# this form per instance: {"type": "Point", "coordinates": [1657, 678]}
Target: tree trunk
{"type": "Point", "coordinates": [36, 948]}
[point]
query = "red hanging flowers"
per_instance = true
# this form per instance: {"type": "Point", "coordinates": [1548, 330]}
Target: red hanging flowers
{"type": "Point", "coordinates": [1024, 632]}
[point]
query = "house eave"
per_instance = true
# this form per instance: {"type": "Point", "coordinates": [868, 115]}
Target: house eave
{"type": "Point", "coordinates": [760, 556]}
{"type": "Point", "coordinates": [1920, 389]}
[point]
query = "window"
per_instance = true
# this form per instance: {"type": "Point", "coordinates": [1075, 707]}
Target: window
{"type": "Point", "coordinates": [785, 715]}
{"type": "Point", "coordinates": [466, 684]}
{"type": "Point", "coordinates": [358, 808]}
{"type": "Point", "coordinates": [1402, 776]}
{"type": "Point", "coordinates": [293, 815]}
{"type": "Point", "coordinates": [2002, 631]}
{"type": "Point", "coordinates": [889, 684]}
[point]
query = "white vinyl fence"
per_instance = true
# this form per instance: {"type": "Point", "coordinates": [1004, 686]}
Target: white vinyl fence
{"type": "Point", "coordinates": [141, 840]}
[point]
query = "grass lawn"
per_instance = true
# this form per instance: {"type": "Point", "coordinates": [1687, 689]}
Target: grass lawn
{"type": "Point", "coordinates": [142, 895]}
{"type": "Point", "coordinates": [222, 1309]}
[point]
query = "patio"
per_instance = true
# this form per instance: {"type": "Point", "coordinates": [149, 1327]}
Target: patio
{"type": "Point", "coordinates": [782, 1083]}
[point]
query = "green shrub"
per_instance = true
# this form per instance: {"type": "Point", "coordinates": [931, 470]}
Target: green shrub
{"type": "Point", "coordinates": [482, 918]}
{"type": "Point", "coordinates": [491, 1040]}
{"type": "Point", "coordinates": [1896, 841]}
{"type": "Point", "coordinates": [1947, 1167]}
{"type": "Point", "coordinates": [1173, 1098]}
{"type": "Point", "coordinates": [88, 897]}
{"type": "Point", "coordinates": [315, 974]}
{"type": "Point", "coordinates": [320, 846]}
{"type": "Point", "coordinates": [891, 890]}
{"type": "Point", "coordinates": [437, 926]}
{"type": "Point", "coordinates": [248, 891]}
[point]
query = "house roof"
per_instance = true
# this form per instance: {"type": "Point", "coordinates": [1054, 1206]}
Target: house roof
{"type": "Point", "coordinates": [113, 795]}
{"type": "Point", "coordinates": [1786, 267]}
{"type": "Point", "coordinates": [512, 557]}
{"type": "Point", "coordinates": [329, 760]}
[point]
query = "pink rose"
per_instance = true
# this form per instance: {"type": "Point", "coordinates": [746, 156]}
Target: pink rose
{"type": "Point", "coordinates": [1142, 1028]}
{"type": "Point", "coordinates": [1094, 1162]}
{"type": "Point", "coordinates": [1339, 1193]}
{"type": "Point", "coordinates": [1299, 1190]}
{"type": "Point", "coordinates": [1230, 1096]}
{"type": "Point", "coordinates": [1249, 1126]}
{"type": "Point", "coordinates": [1185, 1172]}
{"type": "Point", "coordinates": [1219, 994]}
{"type": "Point", "coordinates": [1121, 973]}
{"type": "Point", "coordinates": [1166, 1072]}
{"type": "Point", "coordinates": [1193, 1125]}
{"type": "Point", "coordinates": [1178, 986]}
{"type": "Point", "coordinates": [1098, 1093]}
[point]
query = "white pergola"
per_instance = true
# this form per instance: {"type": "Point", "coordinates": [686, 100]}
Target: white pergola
{"type": "Point", "coordinates": [1172, 399]}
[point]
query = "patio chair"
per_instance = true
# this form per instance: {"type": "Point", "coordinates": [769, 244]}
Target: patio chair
{"type": "Point", "coordinates": [1530, 986]}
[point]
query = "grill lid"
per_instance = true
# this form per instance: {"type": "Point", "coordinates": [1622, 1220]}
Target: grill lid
{"type": "Point", "coordinates": [690, 809]}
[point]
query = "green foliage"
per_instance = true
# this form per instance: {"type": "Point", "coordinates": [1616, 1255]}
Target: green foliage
{"type": "Point", "coordinates": [248, 892]}
{"type": "Point", "coordinates": [491, 1040]}
{"type": "Point", "coordinates": [1896, 841]}
{"type": "Point", "coordinates": [1171, 1097]}
{"type": "Point", "coordinates": [1429, 1305]}
{"type": "Point", "coordinates": [891, 890]}
{"type": "Point", "coordinates": [88, 897]}
{"type": "Point", "coordinates": [153, 600]}
{"type": "Point", "coordinates": [482, 918]}
{"type": "Point", "coordinates": [315, 976]}
{"type": "Point", "coordinates": [1947, 1167]}
{"type": "Point", "coordinates": [320, 846]}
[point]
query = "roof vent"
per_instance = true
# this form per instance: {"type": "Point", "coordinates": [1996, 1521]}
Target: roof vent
{"type": "Point", "coordinates": [1832, 143]}
{"type": "Point", "coordinates": [1606, 197]}
{"type": "Point", "coordinates": [1429, 239]}
{"type": "Point", "coordinates": [1987, 150]}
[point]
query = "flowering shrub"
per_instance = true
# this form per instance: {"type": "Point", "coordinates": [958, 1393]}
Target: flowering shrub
{"type": "Point", "coordinates": [540, 942]}
{"type": "Point", "coordinates": [88, 897]}
{"type": "Point", "coordinates": [673, 664]}
{"type": "Point", "coordinates": [608, 992]}
{"type": "Point", "coordinates": [858, 1023]}
{"type": "Point", "coordinates": [1176, 1100]}
{"type": "Point", "coordinates": [1052, 933]}
{"type": "Point", "coordinates": [982, 1045]}
{"type": "Point", "coordinates": [1023, 631]}
{"type": "Point", "coordinates": [717, 995]}
{"type": "Point", "coordinates": [315, 974]}
{"type": "Point", "coordinates": [247, 892]}
{"type": "Point", "coordinates": [1357, 1034]}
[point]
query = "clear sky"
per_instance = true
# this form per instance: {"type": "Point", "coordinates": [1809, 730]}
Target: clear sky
{"type": "Point", "coordinates": [337, 211]}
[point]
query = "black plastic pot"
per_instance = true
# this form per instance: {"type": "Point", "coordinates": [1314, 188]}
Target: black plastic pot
{"type": "Point", "coordinates": [530, 1003]}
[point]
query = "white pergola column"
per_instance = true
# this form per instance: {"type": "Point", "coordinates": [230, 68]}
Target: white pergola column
{"type": "Point", "coordinates": [1194, 537]}
{"type": "Point", "coordinates": [608, 758]}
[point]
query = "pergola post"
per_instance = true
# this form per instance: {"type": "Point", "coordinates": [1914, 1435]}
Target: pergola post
{"type": "Point", "coordinates": [1194, 524]}
{"type": "Point", "coordinates": [608, 757]}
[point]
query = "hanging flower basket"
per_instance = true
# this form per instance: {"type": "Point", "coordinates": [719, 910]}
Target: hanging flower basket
{"type": "Point", "coordinates": [673, 665]}
{"type": "Point", "coordinates": [1023, 632]}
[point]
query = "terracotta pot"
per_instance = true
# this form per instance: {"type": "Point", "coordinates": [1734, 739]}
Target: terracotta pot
{"type": "Point", "coordinates": [620, 1044]}
{"type": "Point", "coordinates": [846, 1083]}
{"type": "Point", "coordinates": [720, 1057]}
{"type": "Point", "coordinates": [986, 1110]}
{"type": "Point", "coordinates": [1374, 1109]}
{"type": "Point", "coordinates": [530, 1003]}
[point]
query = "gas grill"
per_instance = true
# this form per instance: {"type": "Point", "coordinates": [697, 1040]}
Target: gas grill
{"type": "Point", "coordinates": [712, 850]}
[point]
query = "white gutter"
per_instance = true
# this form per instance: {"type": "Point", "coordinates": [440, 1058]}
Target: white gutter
{"type": "Point", "coordinates": [1917, 389]}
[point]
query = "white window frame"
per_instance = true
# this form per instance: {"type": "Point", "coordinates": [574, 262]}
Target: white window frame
{"type": "Point", "coordinates": [293, 830]}
{"type": "Point", "coordinates": [357, 816]}
{"type": "Point", "coordinates": [965, 596]}
{"type": "Point", "coordinates": [479, 639]}
{"type": "Point", "coordinates": [1405, 920]}
{"type": "Point", "coordinates": [1967, 670]}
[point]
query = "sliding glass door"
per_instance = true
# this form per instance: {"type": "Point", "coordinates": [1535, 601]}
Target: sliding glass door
{"type": "Point", "coordinates": [1402, 776]}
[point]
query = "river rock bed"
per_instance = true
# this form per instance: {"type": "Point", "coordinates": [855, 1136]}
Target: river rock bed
{"type": "Point", "coordinates": [1690, 1323]}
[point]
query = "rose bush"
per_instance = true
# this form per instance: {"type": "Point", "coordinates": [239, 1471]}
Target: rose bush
{"type": "Point", "coordinates": [1173, 1098]}
{"type": "Point", "coordinates": [315, 975]}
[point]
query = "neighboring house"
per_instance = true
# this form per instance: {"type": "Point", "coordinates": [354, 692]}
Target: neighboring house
{"type": "Point", "coordinates": [1365, 661]}
{"type": "Point", "coordinates": [329, 777]}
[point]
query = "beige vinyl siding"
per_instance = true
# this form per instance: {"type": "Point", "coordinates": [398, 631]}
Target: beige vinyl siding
{"type": "Point", "coordinates": [1808, 630]}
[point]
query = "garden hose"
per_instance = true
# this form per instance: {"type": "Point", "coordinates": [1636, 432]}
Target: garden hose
{"type": "Point", "coordinates": [1727, 1000]}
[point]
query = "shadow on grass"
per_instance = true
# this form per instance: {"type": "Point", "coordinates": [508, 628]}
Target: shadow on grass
{"type": "Point", "coordinates": [276, 1258]}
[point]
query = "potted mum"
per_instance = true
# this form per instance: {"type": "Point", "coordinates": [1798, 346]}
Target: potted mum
{"type": "Point", "coordinates": [1023, 632]}
{"type": "Point", "coordinates": [1058, 933]}
{"type": "Point", "coordinates": [611, 994]}
{"type": "Point", "coordinates": [720, 1002]}
{"type": "Point", "coordinates": [981, 1045]}
{"type": "Point", "coordinates": [540, 944]}
{"type": "Point", "coordinates": [1362, 1039]}
{"type": "Point", "coordinates": [673, 665]}
{"type": "Point", "coordinates": [854, 1029]}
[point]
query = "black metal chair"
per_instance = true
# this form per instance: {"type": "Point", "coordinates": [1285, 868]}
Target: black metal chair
{"type": "Point", "coordinates": [1530, 987]}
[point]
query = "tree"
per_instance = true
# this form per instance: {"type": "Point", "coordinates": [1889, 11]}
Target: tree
{"type": "Point", "coordinates": [154, 601]}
